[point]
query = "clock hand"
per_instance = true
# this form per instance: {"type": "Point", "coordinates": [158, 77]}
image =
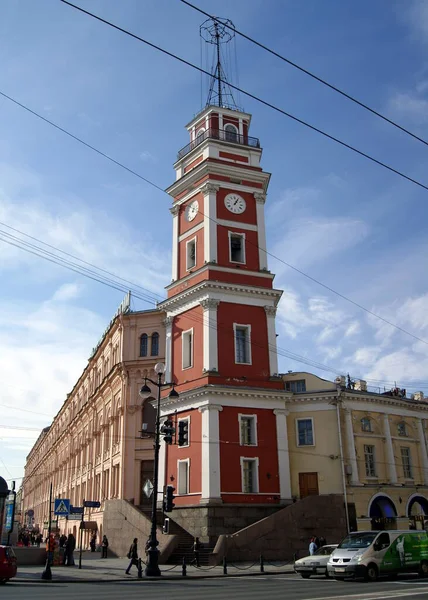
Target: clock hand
{"type": "Point", "coordinates": [235, 203]}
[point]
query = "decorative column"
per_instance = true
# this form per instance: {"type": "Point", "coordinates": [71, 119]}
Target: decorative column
{"type": "Point", "coordinates": [210, 222]}
{"type": "Point", "coordinates": [261, 229]}
{"type": "Point", "coordinates": [175, 212]}
{"type": "Point", "coordinates": [283, 454]}
{"type": "Point", "coordinates": [210, 346]}
{"type": "Point", "coordinates": [350, 442]}
{"type": "Point", "coordinates": [211, 491]}
{"type": "Point", "coordinates": [423, 446]}
{"type": "Point", "coordinates": [273, 356]}
{"type": "Point", "coordinates": [390, 460]}
{"type": "Point", "coordinates": [162, 474]}
{"type": "Point", "coordinates": [168, 348]}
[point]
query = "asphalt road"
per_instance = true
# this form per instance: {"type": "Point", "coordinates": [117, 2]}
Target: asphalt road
{"type": "Point", "coordinates": [271, 587]}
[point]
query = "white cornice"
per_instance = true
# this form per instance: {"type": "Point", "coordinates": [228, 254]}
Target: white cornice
{"type": "Point", "coordinates": [236, 114]}
{"type": "Point", "coordinates": [215, 267]}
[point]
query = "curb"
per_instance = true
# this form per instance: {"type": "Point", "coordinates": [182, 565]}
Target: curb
{"type": "Point", "coordinates": [134, 579]}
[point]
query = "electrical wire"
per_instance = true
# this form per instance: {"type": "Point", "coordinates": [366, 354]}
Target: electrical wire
{"type": "Point", "coordinates": [303, 70]}
{"type": "Point", "coordinates": [250, 95]}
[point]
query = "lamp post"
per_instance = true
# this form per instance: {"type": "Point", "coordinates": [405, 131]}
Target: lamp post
{"type": "Point", "coordinates": [152, 566]}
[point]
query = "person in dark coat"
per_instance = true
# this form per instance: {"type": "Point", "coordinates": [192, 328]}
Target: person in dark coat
{"type": "Point", "coordinates": [132, 555]}
{"type": "Point", "coordinates": [93, 542]}
{"type": "Point", "coordinates": [70, 545]}
{"type": "Point", "coordinates": [196, 550]}
{"type": "Point", "coordinates": [62, 541]}
{"type": "Point", "coordinates": [104, 546]}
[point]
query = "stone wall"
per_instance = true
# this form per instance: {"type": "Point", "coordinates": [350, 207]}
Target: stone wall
{"type": "Point", "coordinates": [123, 522]}
{"type": "Point", "coordinates": [288, 531]}
{"type": "Point", "coordinates": [209, 522]}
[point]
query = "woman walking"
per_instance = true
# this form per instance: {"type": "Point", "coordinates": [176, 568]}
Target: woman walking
{"type": "Point", "coordinates": [133, 555]}
{"type": "Point", "coordinates": [104, 546]}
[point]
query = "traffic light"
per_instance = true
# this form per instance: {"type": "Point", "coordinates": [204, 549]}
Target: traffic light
{"type": "Point", "coordinates": [168, 503]}
{"type": "Point", "coordinates": [183, 432]}
{"type": "Point", "coordinates": [168, 431]}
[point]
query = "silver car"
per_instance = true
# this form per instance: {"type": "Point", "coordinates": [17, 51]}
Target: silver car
{"type": "Point", "coordinates": [316, 564]}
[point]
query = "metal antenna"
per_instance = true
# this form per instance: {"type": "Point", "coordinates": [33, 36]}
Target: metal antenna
{"type": "Point", "coordinates": [218, 31]}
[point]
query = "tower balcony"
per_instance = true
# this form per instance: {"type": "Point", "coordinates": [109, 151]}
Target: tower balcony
{"type": "Point", "coordinates": [222, 135]}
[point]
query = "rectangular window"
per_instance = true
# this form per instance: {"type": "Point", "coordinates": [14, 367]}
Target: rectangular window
{"type": "Point", "coordinates": [242, 344]}
{"type": "Point", "coordinates": [183, 476]}
{"type": "Point", "coordinates": [248, 430]}
{"type": "Point", "coordinates": [296, 386]}
{"type": "Point", "coordinates": [191, 254]}
{"type": "Point", "coordinates": [305, 432]}
{"type": "Point", "coordinates": [369, 459]}
{"type": "Point", "coordinates": [249, 474]}
{"type": "Point", "coordinates": [406, 459]}
{"type": "Point", "coordinates": [187, 348]}
{"type": "Point", "coordinates": [237, 247]}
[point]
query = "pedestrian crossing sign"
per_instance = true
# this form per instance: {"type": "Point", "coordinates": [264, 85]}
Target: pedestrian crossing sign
{"type": "Point", "coordinates": [62, 507]}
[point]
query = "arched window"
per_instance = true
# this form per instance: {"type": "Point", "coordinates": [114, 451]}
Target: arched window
{"type": "Point", "coordinates": [366, 424]}
{"type": "Point", "coordinates": [200, 136]}
{"type": "Point", "coordinates": [155, 344]}
{"type": "Point", "coordinates": [231, 133]}
{"type": "Point", "coordinates": [143, 344]}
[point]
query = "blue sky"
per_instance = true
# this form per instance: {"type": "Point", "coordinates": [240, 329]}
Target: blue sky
{"type": "Point", "coordinates": [330, 213]}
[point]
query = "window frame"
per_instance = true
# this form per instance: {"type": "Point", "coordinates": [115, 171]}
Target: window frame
{"type": "Point", "coordinates": [243, 247]}
{"type": "Point", "coordinates": [188, 242]}
{"type": "Point", "coordinates": [183, 461]}
{"type": "Point", "coordinates": [226, 131]}
{"type": "Point", "coordinates": [146, 337]}
{"type": "Point", "coordinates": [402, 433]}
{"type": "Point", "coordinates": [248, 329]}
{"type": "Point", "coordinates": [188, 431]}
{"type": "Point", "coordinates": [255, 461]}
{"type": "Point", "coordinates": [295, 382]}
{"type": "Point", "coordinates": [366, 425]}
{"type": "Point", "coordinates": [183, 334]}
{"type": "Point", "coordinates": [407, 469]}
{"type": "Point", "coordinates": [367, 454]}
{"type": "Point", "coordinates": [298, 419]}
{"type": "Point", "coordinates": [241, 418]}
{"type": "Point", "coordinates": [155, 333]}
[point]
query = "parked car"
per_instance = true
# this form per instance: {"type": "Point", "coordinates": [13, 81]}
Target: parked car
{"type": "Point", "coordinates": [316, 564]}
{"type": "Point", "coordinates": [7, 564]}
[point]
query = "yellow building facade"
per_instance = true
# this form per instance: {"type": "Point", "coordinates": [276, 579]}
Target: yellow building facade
{"type": "Point", "coordinates": [370, 447]}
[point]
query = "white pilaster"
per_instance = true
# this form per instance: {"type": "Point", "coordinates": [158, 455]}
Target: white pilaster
{"type": "Point", "coordinates": [423, 446]}
{"type": "Point", "coordinates": [210, 345]}
{"type": "Point", "coordinates": [273, 356]}
{"type": "Point", "coordinates": [261, 230]}
{"type": "Point", "coordinates": [210, 222]}
{"type": "Point", "coordinates": [350, 442]}
{"type": "Point", "coordinates": [168, 348]}
{"type": "Point", "coordinates": [174, 211]}
{"type": "Point", "coordinates": [283, 454]}
{"type": "Point", "coordinates": [241, 127]}
{"type": "Point", "coordinates": [390, 460]}
{"type": "Point", "coordinates": [220, 123]}
{"type": "Point", "coordinates": [162, 474]}
{"type": "Point", "coordinates": [211, 493]}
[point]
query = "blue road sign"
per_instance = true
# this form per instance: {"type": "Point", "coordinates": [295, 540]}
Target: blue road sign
{"type": "Point", "coordinates": [92, 504]}
{"type": "Point", "coordinates": [62, 507]}
{"type": "Point", "coordinates": [10, 510]}
{"type": "Point", "coordinates": [76, 510]}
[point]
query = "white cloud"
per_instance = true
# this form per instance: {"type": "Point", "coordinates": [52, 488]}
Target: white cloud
{"type": "Point", "coordinates": [411, 106]}
{"type": "Point", "coordinates": [68, 291]}
{"type": "Point", "coordinates": [416, 14]}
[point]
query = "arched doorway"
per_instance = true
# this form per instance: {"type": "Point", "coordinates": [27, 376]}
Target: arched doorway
{"type": "Point", "coordinates": [417, 511]}
{"type": "Point", "coordinates": [382, 513]}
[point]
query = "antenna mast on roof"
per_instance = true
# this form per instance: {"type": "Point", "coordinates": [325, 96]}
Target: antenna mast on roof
{"type": "Point", "coordinates": [220, 33]}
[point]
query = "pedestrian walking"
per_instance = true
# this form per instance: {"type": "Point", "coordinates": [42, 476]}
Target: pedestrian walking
{"type": "Point", "coordinates": [70, 545]}
{"type": "Point", "coordinates": [312, 547]}
{"type": "Point", "coordinates": [93, 542]}
{"type": "Point", "coordinates": [132, 555]}
{"type": "Point", "coordinates": [196, 550]}
{"type": "Point", "coordinates": [104, 546]}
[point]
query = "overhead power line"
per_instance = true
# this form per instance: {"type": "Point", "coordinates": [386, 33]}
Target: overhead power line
{"type": "Point", "coordinates": [303, 70]}
{"type": "Point", "coordinates": [250, 95]}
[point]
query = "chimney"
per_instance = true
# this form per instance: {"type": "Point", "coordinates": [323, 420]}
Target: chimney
{"type": "Point", "coordinates": [360, 385]}
{"type": "Point", "coordinates": [418, 396]}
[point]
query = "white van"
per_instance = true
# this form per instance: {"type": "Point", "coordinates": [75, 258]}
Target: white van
{"type": "Point", "coordinates": [370, 554]}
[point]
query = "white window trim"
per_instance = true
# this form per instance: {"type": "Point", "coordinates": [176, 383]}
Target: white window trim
{"type": "Point", "coordinates": [254, 459]}
{"type": "Point", "coordinates": [183, 460]}
{"type": "Point", "coordinates": [244, 254]}
{"type": "Point", "coordinates": [200, 131]}
{"type": "Point", "coordinates": [194, 239]}
{"type": "Point", "coordinates": [188, 429]}
{"type": "Point", "coordinates": [297, 432]}
{"type": "Point", "coordinates": [235, 325]}
{"type": "Point", "coordinates": [183, 333]}
{"type": "Point", "coordinates": [240, 417]}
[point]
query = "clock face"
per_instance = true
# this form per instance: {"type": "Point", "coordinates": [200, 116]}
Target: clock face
{"type": "Point", "coordinates": [192, 210]}
{"type": "Point", "coordinates": [235, 203]}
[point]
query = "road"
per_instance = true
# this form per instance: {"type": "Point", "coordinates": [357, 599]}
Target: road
{"type": "Point", "coordinates": [272, 587]}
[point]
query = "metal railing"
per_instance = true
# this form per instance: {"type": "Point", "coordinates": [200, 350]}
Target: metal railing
{"type": "Point", "coordinates": [220, 134]}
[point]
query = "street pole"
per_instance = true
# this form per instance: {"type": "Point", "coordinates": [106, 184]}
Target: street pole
{"type": "Point", "coordinates": [81, 535]}
{"type": "Point", "coordinates": [152, 566]}
{"type": "Point", "coordinates": [47, 573]}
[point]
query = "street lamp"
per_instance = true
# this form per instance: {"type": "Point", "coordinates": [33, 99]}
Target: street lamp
{"type": "Point", "coordinates": [152, 566]}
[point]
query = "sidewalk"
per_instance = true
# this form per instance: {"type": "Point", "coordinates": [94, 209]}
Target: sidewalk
{"type": "Point", "coordinates": [97, 570]}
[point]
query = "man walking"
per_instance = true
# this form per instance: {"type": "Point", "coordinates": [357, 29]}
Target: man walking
{"type": "Point", "coordinates": [104, 546]}
{"type": "Point", "coordinates": [196, 550]}
{"type": "Point", "coordinates": [133, 555]}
